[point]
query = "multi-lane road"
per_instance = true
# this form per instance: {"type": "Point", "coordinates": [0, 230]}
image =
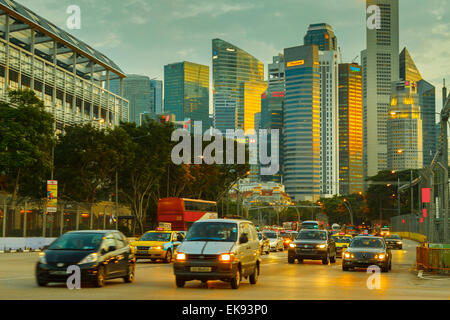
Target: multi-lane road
{"type": "Point", "coordinates": [278, 280]}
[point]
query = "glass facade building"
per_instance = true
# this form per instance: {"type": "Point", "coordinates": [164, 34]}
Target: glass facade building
{"type": "Point", "coordinates": [186, 91]}
{"type": "Point", "coordinates": [136, 89]}
{"type": "Point", "coordinates": [427, 102]}
{"type": "Point", "coordinates": [350, 129]}
{"type": "Point", "coordinates": [238, 82]}
{"type": "Point", "coordinates": [71, 78]}
{"type": "Point", "coordinates": [156, 101]}
{"type": "Point", "coordinates": [301, 117]}
{"type": "Point", "coordinates": [322, 35]}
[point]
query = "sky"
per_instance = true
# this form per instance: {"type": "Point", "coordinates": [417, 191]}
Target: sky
{"type": "Point", "coordinates": [141, 36]}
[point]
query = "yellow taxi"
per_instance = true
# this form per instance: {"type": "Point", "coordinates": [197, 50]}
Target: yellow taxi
{"type": "Point", "coordinates": [158, 244]}
{"type": "Point", "coordinates": [342, 241]}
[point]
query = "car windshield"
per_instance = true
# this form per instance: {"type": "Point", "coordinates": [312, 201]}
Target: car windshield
{"type": "Point", "coordinates": [312, 235]}
{"type": "Point", "coordinates": [155, 236]}
{"type": "Point", "coordinates": [270, 235]}
{"type": "Point", "coordinates": [310, 225]}
{"type": "Point", "coordinates": [213, 231]}
{"type": "Point", "coordinates": [342, 239]}
{"type": "Point", "coordinates": [77, 241]}
{"type": "Point", "coordinates": [368, 242]}
{"type": "Point", "coordinates": [393, 236]}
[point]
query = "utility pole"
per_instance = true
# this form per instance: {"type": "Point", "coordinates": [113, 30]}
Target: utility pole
{"type": "Point", "coordinates": [398, 196]}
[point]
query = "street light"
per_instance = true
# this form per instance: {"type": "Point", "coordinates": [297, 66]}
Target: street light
{"type": "Point", "coordinates": [350, 211]}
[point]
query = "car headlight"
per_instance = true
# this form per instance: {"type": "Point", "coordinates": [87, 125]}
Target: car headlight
{"type": "Point", "coordinates": [292, 245]}
{"type": "Point", "coordinates": [399, 242]}
{"type": "Point", "coordinates": [42, 258]}
{"type": "Point", "coordinates": [180, 256]}
{"type": "Point", "coordinates": [321, 246]}
{"type": "Point", "coordinates": [348, 255]}
{"type": "Point", "coordinates": [226, 257]}
{"type": "Point", "coordinates": [93, 257]}
{"type": "Point", "coordinates": [380, 256]}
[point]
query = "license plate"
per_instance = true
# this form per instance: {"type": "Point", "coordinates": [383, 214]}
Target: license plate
{"type": "Point", "coordinates": [58, 273]}
{"type": "Point", "coordinates": [200, 269]}
{"type": "Point", "coordinates": [142, 252]}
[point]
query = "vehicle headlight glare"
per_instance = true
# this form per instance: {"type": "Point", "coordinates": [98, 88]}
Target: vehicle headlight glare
{"type": "Point", "coordinates": [180, 257]}
{"type": "Point", "coordinates": [93, 257]}
{"type": "Point", "coordinates": [348, 255]}
{"type": "Point", "coordinates": [399, 242]}
{"type": "Point", "coordinates": [381, 256]}
{"type": "Point", "coordinates": [292, 245]}
{"type": "Point", "coordinates": [42, 258]}
{"type": "Point", "coordinates": [322, 246]}
{"type": "Point", "coordinates": [226, 257]}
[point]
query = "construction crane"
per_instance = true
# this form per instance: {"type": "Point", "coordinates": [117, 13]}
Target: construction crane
{"type": "Point", "coordinates": [354, 59]}
{"type": "Point", "coordinates": [340, 55]}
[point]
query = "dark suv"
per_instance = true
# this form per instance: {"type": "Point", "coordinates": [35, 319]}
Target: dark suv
{"type": "Point", "coordinates": [314, 245]}
{"type": "Point", "coordinates": [100, 255]}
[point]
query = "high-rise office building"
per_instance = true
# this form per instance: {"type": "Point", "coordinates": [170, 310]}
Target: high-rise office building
{"type": "Point", "coordinates": [301, 117]}
{"type": "Point", "coordinates": [350, 129]}
{"type": "Point", "coordinates": [156, 104]}
{"type": "Point", "coordinates": [408, 69]}
{"type": "Point", "coordinates": [186, 91]}
{"type": "Point", "coordinates": [404, 128]}
{"type": "Point", "coordinates": [238, 82]}
{"type": "Point", "coordinates": [380, 64]}
{"type": "Point", "coordinates": [69, 76]}
{"type": "Point", "coordinates": [322, 35]}
{"type": "Point", "coordinates": [136, 89]}
{"type": "Point", "coordinates": [427, 102]}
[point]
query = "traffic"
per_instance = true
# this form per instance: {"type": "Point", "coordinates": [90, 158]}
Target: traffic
{"type": "Point", "coordinates": [202, 247]}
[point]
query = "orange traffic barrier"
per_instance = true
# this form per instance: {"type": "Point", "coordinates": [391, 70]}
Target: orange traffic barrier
{"type": "Point", "coordinates": [433, 259]}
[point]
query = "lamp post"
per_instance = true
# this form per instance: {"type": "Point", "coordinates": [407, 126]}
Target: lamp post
{"type": "Point", "coordinates": [348, 206]}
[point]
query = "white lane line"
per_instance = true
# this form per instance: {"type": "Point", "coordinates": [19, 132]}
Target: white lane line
{"type": "Point", "coordinates": [7, 279]}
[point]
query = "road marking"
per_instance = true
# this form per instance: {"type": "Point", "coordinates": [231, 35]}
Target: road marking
{"type": "Point", "coordinates": [16, 278]}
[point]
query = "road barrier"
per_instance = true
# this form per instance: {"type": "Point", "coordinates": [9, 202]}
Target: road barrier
{"type": "Point", "coordinates": [433, 258]}
{"type": "Point", "coordinates": [413, 236]}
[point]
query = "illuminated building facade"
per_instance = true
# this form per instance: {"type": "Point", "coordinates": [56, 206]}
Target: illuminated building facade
{"type": "Point", "coordinates": [69, 76]}
{"type": "Point", "coordinates": [404, 128]}
{"type": "Point", "coordinates": [238, 82]}
{"type": "Point", "coordinates": [322, 35]}
{"type": "Point", "coordinates": [186, 91]}
{"type": "Point", "coordinates": [301, 123]}
{"type": "Point", "coordinates": [350, 129]}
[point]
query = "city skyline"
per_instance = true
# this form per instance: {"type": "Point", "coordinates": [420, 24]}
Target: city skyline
{"type": "Point", "coordinates": [128, 22]}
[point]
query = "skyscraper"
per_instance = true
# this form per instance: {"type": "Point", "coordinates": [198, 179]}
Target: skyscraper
{"type": "Point", "coordinates": [404, 128]}
{"type": "Point", "coordinates": [186, 91]}
{"type": "Point", "coordinates": [350, 129]}
{"type": "Point", "coordinates": [156, 96]}
{"type": "Point", "coordinates": [238, 82]}
{"type": "Point", "coordinates": [322, 35]}
{"type": "Point", "coordinates": [136, 89]}
{"type": "Point", "coordinates": [427, 102]}
{"type": "Point", "coordinates": [301, 117]}
{"type": "Point", "coordinates": [408, 69]}
{"type": "Point", "coordinates": [380, 63]}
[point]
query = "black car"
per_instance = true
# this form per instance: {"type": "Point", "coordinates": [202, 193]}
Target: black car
{"type": "Point", "coordinates": [367, 251]}
{"type": "Point", "coordinates": [394, 241]}
{"type": "Point", "coordinates": [100, 255]}
{"type": "Point", "coordinates": [314, 245]}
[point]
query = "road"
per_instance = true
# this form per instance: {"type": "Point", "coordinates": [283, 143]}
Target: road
{"type": "Point", "coordinates": [278, 280]}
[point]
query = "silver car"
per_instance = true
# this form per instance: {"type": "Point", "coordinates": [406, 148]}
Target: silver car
{"type": "Point", "coordinates": [276, 240]}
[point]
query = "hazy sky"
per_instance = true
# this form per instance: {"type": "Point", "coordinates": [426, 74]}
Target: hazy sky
{"type": "Point", "coordinates": [141, 36]}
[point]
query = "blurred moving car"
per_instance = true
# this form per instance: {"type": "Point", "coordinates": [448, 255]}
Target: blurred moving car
{"type": "Point", "coordinates": [367, 251]}
{"type": "Point", "coordinates": [155, 245]}
{"type": "Point", "coordinates": [385, 232]}
{"type": "Point", "coordinates": [342, 241]}
{"type": "Point", "coordinates": [276, 241]}
{"type": "Point", "coordinates": [264, 243]}
{"type": "Point", "coordinates": [100, 255]}
{"type": "Point", "coordinates": [314, 245]}
{"type": "Point", "coordinates": [288, 237]}
{"type": "Point", "coordinates": [309, 225]}
{"type": "Point", "coordinates": [394, 241]}
{"type": "Point", "coordinates": [219, 249]}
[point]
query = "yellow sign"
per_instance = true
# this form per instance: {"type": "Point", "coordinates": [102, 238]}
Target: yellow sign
{"type": "Point", "coordinates": [295, 63]}
{"type": "Point", "coordinates": [52, 195]}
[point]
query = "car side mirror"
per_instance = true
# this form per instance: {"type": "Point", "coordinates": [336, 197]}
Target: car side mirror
{"type": "Point", "coordinates": [111, 248]}
{"type": "Point", "coordinates": [243, 238]}
{"type": "Point", "coordinates": [180, 238]}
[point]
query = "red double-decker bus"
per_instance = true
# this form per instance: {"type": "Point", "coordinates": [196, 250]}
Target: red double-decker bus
{"type": "Point", "coordinates": [182, 212]}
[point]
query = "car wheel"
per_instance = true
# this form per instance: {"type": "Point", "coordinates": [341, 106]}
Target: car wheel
{"type": "Point", "coordinates": [236, 281]}
{"type": "Point", "coordinates": [180, 282]}
{"type": "Point", "coordinates": [41, 283]}
{"type": "Point", "coordinates": [291, 259]}
{"type": "Point", "coordinates": [300, 260]}
{"type": "Point", "coordinates": [385, 268]}
{"type": "Point", "coordinates": [168, 258]}
{"type": "Point", "coordinates": [326, 260]}
{"type": "Point", "coordinates": [254, 277]}
{"type": "Point", "coordinates": [130, 276]}
{"type": "Point", "coordinates": [100, 279]}
{"type": "Point", "coordinates": [345, 268]}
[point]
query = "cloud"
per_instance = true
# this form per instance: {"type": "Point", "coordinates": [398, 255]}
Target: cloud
{"type": "Point", "coordinates": [212, 9]}
{"type": "Point", "coordinates": [109, 40]}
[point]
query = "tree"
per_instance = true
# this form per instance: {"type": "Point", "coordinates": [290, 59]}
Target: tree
{"type": "Point", "coordinates": [26, 137]}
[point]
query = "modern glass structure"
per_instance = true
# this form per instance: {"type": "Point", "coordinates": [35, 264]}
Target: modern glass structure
{"type": "Point", "coordinates": [301, 116]}
{"type": "Point", "coordinates": [427, 102]}
{"type": "Point", "coordinates": [156, 104]}
{"type": "Point", "coordinates": [322, 35]}
{"type": "Point", "coordinates": [186, 91]}
{"type": "Point", "coordinates": [404, 128]}
{"type": "Point", "coordinates": [136, 89]}
{"type": "Point", "coordinates": [380, 63]}
{"type": "Point", "coordinates": [71, 78]}
{"type": "Point", "coordinates": [350, 129]}
{"type": "Point", "coordinates": [408, 69]}
{"type": "Point", "coordinates": [238, 82]}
